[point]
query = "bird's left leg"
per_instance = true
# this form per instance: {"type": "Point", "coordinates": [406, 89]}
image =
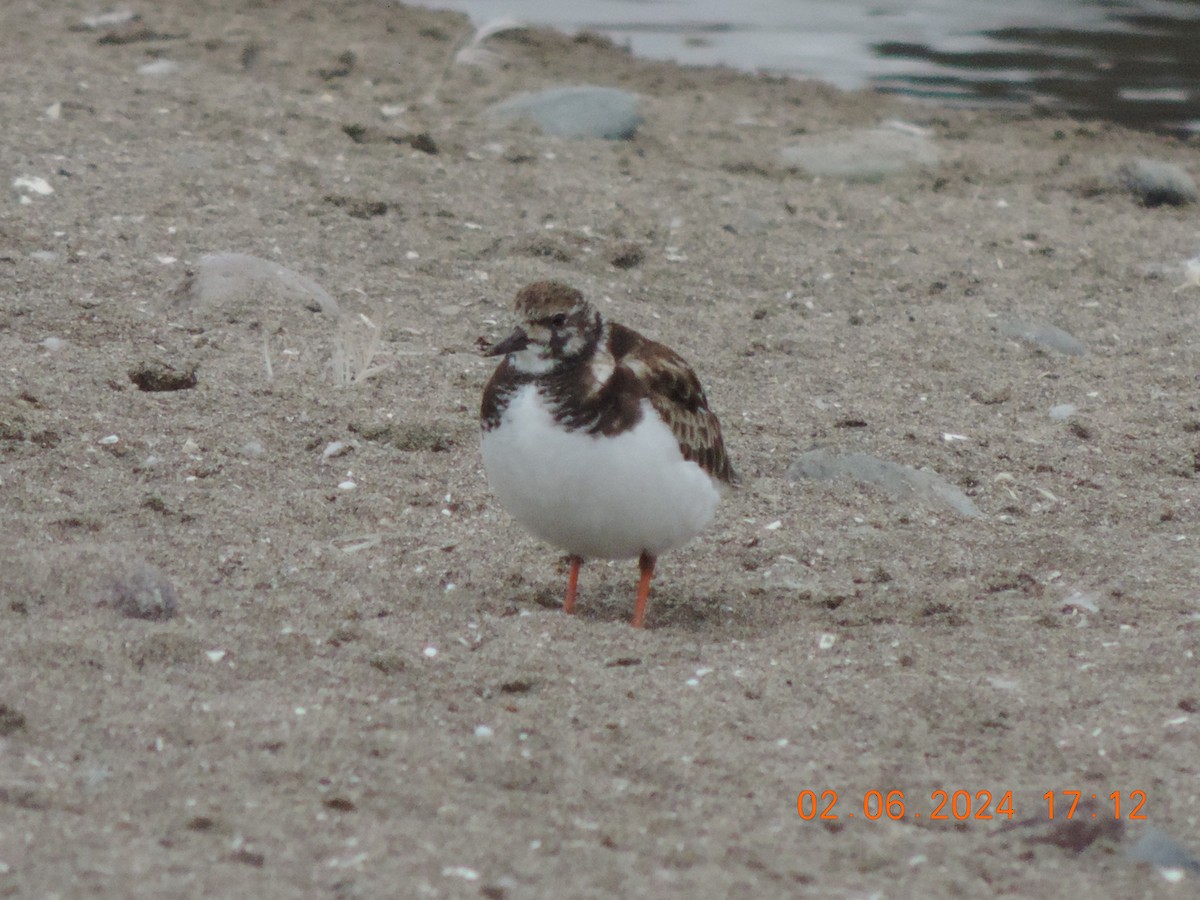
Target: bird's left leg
{"type": "Point", "coordinates": [646, 566]}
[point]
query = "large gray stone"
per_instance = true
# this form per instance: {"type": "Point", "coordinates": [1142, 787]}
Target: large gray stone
{"type": "Point", "coordinates": [1044, 335]}
{"type": "Point", "coordinates": [582, 111]}
{"type": "Point", "coordinates": [1155, 182]}
{"type": "Point", "coordinates": [869, 154]}
{"type": "Point", "coordinates": [899, 480]}
{"type": "Point", "coordinates": [238, 285]}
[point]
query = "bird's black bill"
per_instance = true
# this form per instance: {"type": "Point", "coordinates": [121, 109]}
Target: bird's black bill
{"type": "Point", "coordinates": [514, 343]}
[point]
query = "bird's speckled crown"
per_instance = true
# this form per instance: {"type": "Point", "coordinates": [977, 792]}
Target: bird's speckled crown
{"type": "Point", "coordinates": [545, 298]}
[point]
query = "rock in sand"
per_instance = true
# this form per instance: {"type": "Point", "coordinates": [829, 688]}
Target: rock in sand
{"type": "Point", "coordinates": [581, 111]}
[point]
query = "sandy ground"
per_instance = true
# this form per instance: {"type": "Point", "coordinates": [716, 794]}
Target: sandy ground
{"type": "Point", "coordinates": [369, 691]}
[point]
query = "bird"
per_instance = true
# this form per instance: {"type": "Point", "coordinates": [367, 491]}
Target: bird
{"type": "Point", "coordinates": [598, 440]}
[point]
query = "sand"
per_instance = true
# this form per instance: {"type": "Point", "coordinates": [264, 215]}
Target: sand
{"type": "Point", "coordinates": [268, 634]}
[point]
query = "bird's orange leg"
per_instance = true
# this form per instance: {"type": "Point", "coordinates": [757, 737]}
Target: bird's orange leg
{"type": "Point", "coordinates": [572, 585]}
{"type": "Point", "coordinates": [646, 565]}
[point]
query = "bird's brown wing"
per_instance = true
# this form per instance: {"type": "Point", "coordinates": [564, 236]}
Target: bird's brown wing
{"type": "Point", "coordinates": [503, 382]}
{"type": "Point", "coordinates": [676, 393]}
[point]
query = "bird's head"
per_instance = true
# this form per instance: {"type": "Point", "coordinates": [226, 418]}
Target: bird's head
{"type": "Point", "coordinates": [557, 325]}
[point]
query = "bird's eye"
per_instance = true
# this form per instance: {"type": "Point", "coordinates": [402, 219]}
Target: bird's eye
{"type": "Point", "coordinates": [559, 320]}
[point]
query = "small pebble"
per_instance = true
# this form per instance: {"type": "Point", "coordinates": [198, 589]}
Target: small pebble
{"type": "Point", "coordinates": [158, 67]}
{"type": "Point", "coordinates": [335, 448]}
{"type": "Point", "coordinates": [1191, 274]}
{"type": "Point", "coordinates": [32, 183]}
{"type": "Point", "coordinates": [1081, 601]}
{"type": "Point", "coordinates": [111, 19]}
{"type": "Point", "coordinates": [1062, 412]}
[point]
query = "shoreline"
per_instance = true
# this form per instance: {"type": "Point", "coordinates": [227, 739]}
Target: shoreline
{"type": "Point", "coordinates": [1073, 72]}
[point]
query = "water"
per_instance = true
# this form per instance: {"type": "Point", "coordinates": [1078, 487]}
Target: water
{"type": "Point", "coordinates": [1131, 61]}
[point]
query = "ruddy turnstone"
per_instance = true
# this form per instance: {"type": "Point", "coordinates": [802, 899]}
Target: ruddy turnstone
{"type": "Point", "coordinates": [599, 440]}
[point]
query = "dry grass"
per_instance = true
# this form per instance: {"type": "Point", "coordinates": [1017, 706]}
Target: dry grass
{"type": "Point", "coordinates": [355, 346]}
{"type": "Point", "coordinates": [470, 50]}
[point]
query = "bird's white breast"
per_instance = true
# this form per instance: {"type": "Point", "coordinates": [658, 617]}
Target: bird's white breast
{"type": "Point", "coordinates": [608, 497]}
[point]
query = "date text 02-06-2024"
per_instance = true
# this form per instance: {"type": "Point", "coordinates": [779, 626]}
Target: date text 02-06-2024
{"type": "Point", "coordinates": [961, 805]}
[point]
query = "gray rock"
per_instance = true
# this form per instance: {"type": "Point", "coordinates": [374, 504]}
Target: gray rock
{"type": "Point", "coordinates": [869, 154]}
{"type": "Point", "coordinates": [240, 285]}
{"type": "Point", "coordinates": [822, 465]}
{"type": "Point", "coordinates": [1156, 847]}
{"type": "Point", "coordinates": [158, 67]}
{"type": "Point", "coordinates": [113, 19]}
{"type": "Point", "coordinates": [1044, 336]}
{"type": "Point", "coordinates": [1156, 183]}
{"type": "Point", "coordinates": [582, 111]}
{"type": "Point", "coordinates": [140, 592]}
